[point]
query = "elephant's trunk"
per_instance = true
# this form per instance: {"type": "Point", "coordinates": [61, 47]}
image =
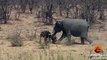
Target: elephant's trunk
{"type": "Point", "coordinates": [53, 35]}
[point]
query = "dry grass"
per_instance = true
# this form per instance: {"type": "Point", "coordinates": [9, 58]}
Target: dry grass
{"type": "Point", "coordinates": [44, 54]}
{"type": "Point", "coordinates": [15, 39]}
{"type": "Point", "coordinates": [31, 49]}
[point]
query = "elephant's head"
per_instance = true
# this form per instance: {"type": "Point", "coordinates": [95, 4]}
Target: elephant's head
{"type": "Point", "coordinates": [57, 28]}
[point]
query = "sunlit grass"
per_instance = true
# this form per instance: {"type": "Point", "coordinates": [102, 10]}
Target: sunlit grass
{"type": "Point", "coordinates": [42, 54]}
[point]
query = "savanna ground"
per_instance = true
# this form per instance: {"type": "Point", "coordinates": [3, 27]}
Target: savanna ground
{"type": "Point", "coordinates": [28, 26]}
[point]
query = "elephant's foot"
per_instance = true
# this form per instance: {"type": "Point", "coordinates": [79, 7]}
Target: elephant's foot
{"type": "Point", "coordinates": [82, 42]}
{"type": "Point", "coordinates": [70, 43]}
{"type": "Point", "coordinates": [58, 42]}
{"type": "Point", "coordinates": [54, 42]}
{"type": "Point", "coordinates": [85, 43]}
{"type": "Point", "coordinates": [90, 42]}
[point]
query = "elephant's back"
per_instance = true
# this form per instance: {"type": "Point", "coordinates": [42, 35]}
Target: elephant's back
{"type": "Point", "coordinates": [75, 25]}
{"type": "Point", "coordinates": [81, 22]}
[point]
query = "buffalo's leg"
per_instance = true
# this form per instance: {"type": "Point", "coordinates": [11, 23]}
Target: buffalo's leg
{"type": "Point", "coordinates": [40, 40]}
{"type": "Point", "coordinates": [53, 41]}
{"type": "Point", "coordinates": [49, 39]}
{"type": "Point", "coordinates": [52, 38]}
{"type": "Point", "coordinates": [45, 39]}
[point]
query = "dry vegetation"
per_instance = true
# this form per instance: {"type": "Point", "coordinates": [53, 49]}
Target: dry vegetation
{"type": "Point", "coordinates": [21, 22]}
{"type": "Point", "coordinates": [31, 50]}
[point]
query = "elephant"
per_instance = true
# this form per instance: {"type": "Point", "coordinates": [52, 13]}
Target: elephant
{"type": "Point", "coordinates": [72, 27]}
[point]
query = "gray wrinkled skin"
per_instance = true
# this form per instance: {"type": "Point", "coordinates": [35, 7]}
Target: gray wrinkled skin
{"type": "Point", "coordinates": [72, 27]}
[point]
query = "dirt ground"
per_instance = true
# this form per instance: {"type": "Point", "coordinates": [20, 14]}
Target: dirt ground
{"type": "Point", "coordinates": [27, 25]}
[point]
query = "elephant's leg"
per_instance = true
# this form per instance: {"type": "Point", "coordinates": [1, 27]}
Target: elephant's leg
{"type": "Point", "coordinates": [61, 38]}
{"type": "Point", "coordinates": [69, 39]}
{"type": "Point", "coordinates": [85, 37]}
{"type": "Point", "coordinates": [82, 40]}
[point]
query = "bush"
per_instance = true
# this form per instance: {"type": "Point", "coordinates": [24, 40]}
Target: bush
{"type": "Point", "coordinates": [16, 40]}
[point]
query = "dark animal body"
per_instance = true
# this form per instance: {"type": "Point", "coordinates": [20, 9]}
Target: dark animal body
{"type": "Point", "coordinates": [74, 27]}
{"type": "Point", "coordinates": [47, 37]}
